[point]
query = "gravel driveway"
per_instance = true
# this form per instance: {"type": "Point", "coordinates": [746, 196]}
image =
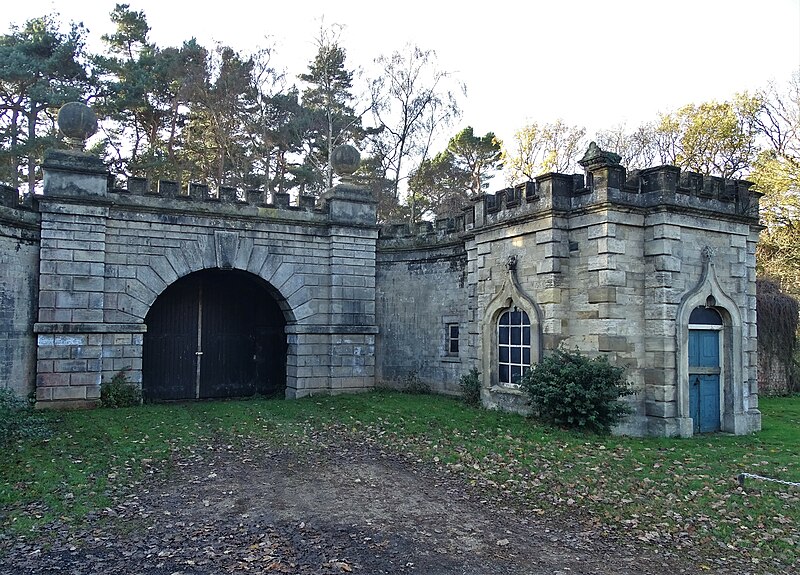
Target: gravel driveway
{"type": "Point", "coordinates": [343, 509]}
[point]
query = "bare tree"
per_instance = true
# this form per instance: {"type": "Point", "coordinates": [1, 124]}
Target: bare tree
{"type": "Point", "coordinates": [638, 148]}
{"type": "Point", "coordinates": [541, 148]}
{"type": "Point", "coordinates": [413, 100]}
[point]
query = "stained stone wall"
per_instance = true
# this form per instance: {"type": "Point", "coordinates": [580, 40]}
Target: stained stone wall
{"type": "Point", "coordinates": [109, 253]}
{"type": "Point", "coordinates": [421, 289]}
{"type": "Point", "coordinates": [609, 262]}
{"type": "Point", "coordinates": [19, 262]}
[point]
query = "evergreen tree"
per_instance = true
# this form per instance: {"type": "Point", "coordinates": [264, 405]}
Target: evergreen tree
{"type": "Point", "coordinates": [41, 68]}
{"type": "Point", "coordinates": [148, 92]}
{"type": "Point", "coordinates": [328, 99]}
{"type": "Point", "coordinates": [217, 143]}
{"type": "Point", "coordinates": [444, 185]}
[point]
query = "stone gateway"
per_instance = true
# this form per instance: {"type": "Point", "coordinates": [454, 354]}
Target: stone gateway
{"type": "Point", "coordinates": [197, 293]}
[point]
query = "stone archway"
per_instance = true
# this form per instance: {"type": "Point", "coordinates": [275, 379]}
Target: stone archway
{"type": "Point", "coordinates": [211, 334]}
{"type": "Point", "coordinates": [709, 294]}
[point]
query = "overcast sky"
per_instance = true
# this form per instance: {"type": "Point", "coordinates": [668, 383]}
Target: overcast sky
{"type": "Point", "coordinates": [592, 63]}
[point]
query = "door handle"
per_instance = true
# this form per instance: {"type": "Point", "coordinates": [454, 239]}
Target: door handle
{"type": "Point", "coordinates": [198, 353]}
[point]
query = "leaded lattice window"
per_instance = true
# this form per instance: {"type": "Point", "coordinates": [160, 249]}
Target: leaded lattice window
{"type": "Point", "coordinates": [514, 346]}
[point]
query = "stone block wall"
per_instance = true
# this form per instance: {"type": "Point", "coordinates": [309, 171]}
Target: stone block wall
{"type": "Point", "coordinates": [109, 254]}
{"type": "Point", "coordinates": [608, 262]}
{"type": "Point", "coordinates": [19, 262]}
{"type": "Point", "coordinates": [643, 250]}
{"type": "Point", "coordinates": [421, 290]}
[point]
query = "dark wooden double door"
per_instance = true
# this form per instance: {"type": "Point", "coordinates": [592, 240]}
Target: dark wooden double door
{"type": "Point", "coordinates": [214, 334]}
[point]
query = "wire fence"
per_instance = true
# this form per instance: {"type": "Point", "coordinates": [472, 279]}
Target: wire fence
{"type": "Point", "coordinates": [742, 476]}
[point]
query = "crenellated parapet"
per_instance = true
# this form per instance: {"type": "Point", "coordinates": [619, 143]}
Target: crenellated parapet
{"type": "Point", "coordinates": [170, 195]}
{"type": "Point", "coordinates": [200, 192]}
{"type": "Point", "coordinates": [605, 182]}
{"type": "Point", "coordinates": [9, 197]}
{"type": "Point", "coordinates": [442, 231]}
{"type": "Point", "coordinates": [18, 216]}
{"type": "Point", "coordinates": [340, 205]}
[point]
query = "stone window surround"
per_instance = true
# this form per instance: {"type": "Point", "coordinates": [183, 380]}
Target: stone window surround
{"type": "Point", "coordinates": [444, 345]}
{"type": "Point", "coordinates": [708, 292]}
{"type": "Point", "coordinates": [511, 295]}
{"type": "Point", "coordinates": [452, 336]}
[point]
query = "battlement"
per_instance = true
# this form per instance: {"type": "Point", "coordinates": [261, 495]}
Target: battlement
{"type": "Point", "coordinates": [442, 231]}
{"type": "Point", "coordinates": [648, 189]}
{"type": "Point", "coordinates": [18, 218]}
{"type": "Point", "coordinates": [11, 198]}
{"type": "Point", "coordinates": [604, 182]}
{"type": "Point", "coordinates": [198, 192]}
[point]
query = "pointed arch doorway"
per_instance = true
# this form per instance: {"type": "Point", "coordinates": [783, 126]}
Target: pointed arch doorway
{"type": "Point", "coordinates": [214, 334]}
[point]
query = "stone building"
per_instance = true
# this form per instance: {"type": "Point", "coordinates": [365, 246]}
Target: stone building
{"type": "Point", "coordinates": [197, 293]}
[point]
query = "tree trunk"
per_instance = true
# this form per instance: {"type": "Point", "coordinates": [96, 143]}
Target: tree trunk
{"type": "Point", "coordinates": [14, 156]}
{"type": "Point", "coordinates": [329, 167]}
{"type": "Point", "coordinates": [32, 116]}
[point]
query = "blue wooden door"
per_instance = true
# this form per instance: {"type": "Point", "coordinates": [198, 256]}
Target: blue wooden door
{"type": "Point", "coordinates": [704, 374]}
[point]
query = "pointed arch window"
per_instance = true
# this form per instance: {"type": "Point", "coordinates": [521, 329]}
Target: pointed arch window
{"type": "Point", "coordinates": [705, 316]}
{"type": "Point", "coordinates": [514, 346]}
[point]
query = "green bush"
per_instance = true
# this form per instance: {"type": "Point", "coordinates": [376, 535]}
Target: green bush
{"type": "Point", "coordinates": [119, 392]}
{"type": "Point", "coordinates": [570, 390]}
{"type": "Point", "coordinates": [471, 387]}
{"type": "Point", "coordinates": [18, 419]}
{"type": "Point", "coordinates": [413, 384]}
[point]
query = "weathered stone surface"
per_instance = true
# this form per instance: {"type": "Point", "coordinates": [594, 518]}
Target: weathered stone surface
{"type": "Point", "coordinates": [606, 262]}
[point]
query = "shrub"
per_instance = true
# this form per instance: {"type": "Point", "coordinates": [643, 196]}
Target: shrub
{"type": "Point", "coordinates": [413, 384]}
{"type": "Point", "coordinates": [570, 390]}
{"type": "Point", "coordinates": [119, 392]}
{"type": "Point", "coordinates": [470, 385]}
{"type": "Point", "coordinates": [18, 419]}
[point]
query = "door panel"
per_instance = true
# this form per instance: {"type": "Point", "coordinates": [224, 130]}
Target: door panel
{"type": "Point", "coordinates": [243, 353]}
{"type": "Point", "coordinates": [704, 380]}
{"type": "Point", "coordinates": [169, 366]}
{"type": "Point", "coordinates": [704, 403]}
{"type": "Point", "coordinates": [709, 404]}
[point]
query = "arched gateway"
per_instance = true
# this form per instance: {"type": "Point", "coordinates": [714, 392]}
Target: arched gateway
{"type": "Point", "coordinates": [214, 333]}
{"type": "Point", "coordinates": [195, 293]}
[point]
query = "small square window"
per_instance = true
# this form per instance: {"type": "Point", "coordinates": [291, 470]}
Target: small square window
{"type": "Point", "coordinates": [452, 339]}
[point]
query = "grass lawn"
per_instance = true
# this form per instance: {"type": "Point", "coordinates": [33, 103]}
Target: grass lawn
{"type": "Point", "coordinates": [677, 492]}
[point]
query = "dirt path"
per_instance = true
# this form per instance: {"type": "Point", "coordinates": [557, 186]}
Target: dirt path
{"type": "Point", "coordinates": [344, 510]}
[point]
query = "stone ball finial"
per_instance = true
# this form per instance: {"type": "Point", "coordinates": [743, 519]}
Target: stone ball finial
{"type": "Point", "coordinates": [77, 122]}
{"type": "Point", "coordinates": [345, 160]}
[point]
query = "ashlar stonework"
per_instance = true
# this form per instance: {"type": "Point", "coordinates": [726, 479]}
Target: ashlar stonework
{"type": "Point", "coordinates": [207, 293]}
